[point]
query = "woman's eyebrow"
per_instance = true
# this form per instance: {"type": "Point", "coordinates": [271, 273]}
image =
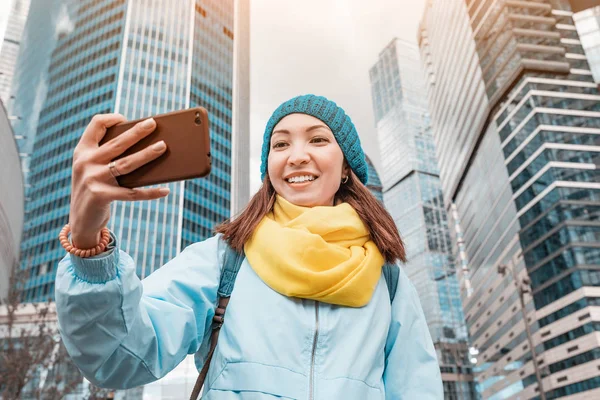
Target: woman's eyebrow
{"type": "Point", "coordinates": [312, 128]}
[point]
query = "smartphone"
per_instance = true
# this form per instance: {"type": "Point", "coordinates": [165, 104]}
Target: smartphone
{"type": "Point", "coordinates": [186, 134]}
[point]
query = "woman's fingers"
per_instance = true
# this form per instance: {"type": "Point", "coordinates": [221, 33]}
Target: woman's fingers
{"type": "Point", "coordinates": [124, 194]}
{"type": "Point", "coordinates": [117, 146]}
{"type": "Point", "coordinates": [96, 129]}
{"type": "Point", "coordinates": [133, 161]}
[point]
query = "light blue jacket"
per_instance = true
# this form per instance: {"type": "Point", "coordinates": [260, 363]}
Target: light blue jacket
{"type": "Point", "coordinates": [122, 332]}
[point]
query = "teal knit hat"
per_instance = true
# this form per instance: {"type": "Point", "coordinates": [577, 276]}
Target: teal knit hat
{"type": "Point", "coordinates": [334, 117]}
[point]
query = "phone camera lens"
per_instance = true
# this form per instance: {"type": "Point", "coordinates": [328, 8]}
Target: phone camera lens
{"type": "Point", "coordinates": [198, 121]}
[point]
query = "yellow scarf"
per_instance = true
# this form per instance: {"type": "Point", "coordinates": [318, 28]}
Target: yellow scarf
{"type": "Point", "coordinates": [319, 253]}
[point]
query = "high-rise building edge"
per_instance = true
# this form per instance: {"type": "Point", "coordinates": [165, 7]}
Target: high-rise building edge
{"type": "Point", "coordinates": [9, 47]}
{"type": "Point", "coordinates": [11, 204]}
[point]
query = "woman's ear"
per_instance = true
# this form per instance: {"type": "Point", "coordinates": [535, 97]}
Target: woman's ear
{"type": "Point", "coordinates": [345, 169]}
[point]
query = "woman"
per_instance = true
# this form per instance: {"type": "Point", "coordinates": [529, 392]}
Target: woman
{"type": "Point", "coordinates": [310, 314]}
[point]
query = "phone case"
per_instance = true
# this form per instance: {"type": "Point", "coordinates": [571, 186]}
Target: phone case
{"type": "Point", "coordinates": [186, 134]}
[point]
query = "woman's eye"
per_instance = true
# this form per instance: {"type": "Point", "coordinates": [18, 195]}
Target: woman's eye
{"type": "Point", "coordinates": [319, 140]}
{"type": "Point", "coordinates": [278, 145]}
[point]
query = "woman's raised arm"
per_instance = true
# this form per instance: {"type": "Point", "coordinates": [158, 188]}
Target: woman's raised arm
{"type": "Point", "coordinates": [122, 332]}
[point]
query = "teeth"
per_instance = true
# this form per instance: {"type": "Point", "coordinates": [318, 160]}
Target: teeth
{"type": "Point", "coordinates": [296, 179]}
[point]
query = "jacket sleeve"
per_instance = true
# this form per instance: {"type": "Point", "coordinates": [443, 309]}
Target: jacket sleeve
{"type": "Point", "coordinates": [411, 366]}
{"type": "Point", "coordinates": [122, 332]}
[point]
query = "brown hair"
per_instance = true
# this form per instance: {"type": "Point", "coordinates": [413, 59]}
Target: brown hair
{"type": "Point", "coordinates": [379, 222]}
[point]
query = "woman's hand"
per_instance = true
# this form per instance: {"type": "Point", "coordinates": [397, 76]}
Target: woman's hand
{"type": "Point", "coordinates": [93, 185]}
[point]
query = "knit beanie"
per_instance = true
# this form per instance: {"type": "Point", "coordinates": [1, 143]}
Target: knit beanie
{"type": "Point", "coordinates": [334, 117]}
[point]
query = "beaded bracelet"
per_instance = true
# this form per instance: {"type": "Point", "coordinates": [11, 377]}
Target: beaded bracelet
{"type": "Point", "coordinates": [83, 253]}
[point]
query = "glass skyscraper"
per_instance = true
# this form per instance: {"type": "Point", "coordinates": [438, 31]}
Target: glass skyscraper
{"type": "Point", "coordinates": [515, 117]}
{"type": "Point", "coordinates": [139, 58]}
{"type": "Point", "coordinates": [412, 195]}
{"type": "Point", "coordinates": [11, 204]}
{"type": "Point", "coordinates": [47, 20]}
{"type": "Point", "coordinates": [374, 183]}
{"type": "Point", "coordinates": [9, 47]}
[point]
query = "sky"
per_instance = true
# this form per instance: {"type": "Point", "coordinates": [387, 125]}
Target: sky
{"type": "Point", "coordinates": [324, 47]}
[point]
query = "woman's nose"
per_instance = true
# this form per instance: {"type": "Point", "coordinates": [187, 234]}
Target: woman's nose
{"type": "Point", "coordinates": [298, 155]}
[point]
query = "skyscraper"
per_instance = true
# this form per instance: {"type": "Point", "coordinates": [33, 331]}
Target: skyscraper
{"type": "Point", "coordinates": [374, 183]}
{"type": "Point", "coordinates": [412, 195]}
{"type": "Point", "coordinates": [46, 21]}
{"type": "Point", "coordinates": [240, 144]}
{"type": "Point", "coordinates": [515, 117]}
{"type": "Point", "coordinates": [11, 203]}
{"type": "Point", "coordinates": [139, 58]}
{"type": "Point", "coordinates": [9, 47]}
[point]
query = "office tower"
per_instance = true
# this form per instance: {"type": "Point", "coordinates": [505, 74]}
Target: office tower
{"type": "Point", "coordinates": [240, 179]}
{"type": "Point", "coordinates": [400, 109]}
{"type": "Point", "coordinates": [11, 203]}
{"type": "Point", "coordinates": [412, 195]}
{"type": "Point", "coordinates": [374, 183]}
{"type": "Point", "coordinates": [9, 47]}
{"type": "Point", "coordinates": [46, 21]}
{"type": "Point", "coordinates": [515, 117]}
{"type": "Point", "coordinates": [138, 58]}
{"type": "Point", "coordinates": [4, 19]}
{"type": "Point", "coordinates": [587, 22]}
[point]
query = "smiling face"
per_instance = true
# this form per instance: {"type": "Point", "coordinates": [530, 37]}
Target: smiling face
{"type": "Point", "coordinates": [305, 164]}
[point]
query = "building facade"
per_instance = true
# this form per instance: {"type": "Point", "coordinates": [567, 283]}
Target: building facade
{"type": "Point", "coordinates": [11, 204]}
{"type": "Point", "coordinates": [9, 48]}
{"type": "Point", "coordinates": [139, 58]}
{"type": "Point", "coordinates": [374, 182]}
{"type": "Point", "coordinates": [47, 20]}
{"type": "Point", "coordinates": [240, 182]}
{"type": "Point", "coordinates": [412, 195]}
{"type": "Point", "coordinates": [515, 117]}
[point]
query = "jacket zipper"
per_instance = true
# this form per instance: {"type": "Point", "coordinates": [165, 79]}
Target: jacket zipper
{"type": "Point", "coordinates": [314, 349]}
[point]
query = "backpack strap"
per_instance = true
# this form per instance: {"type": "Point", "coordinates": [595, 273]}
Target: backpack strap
{"type": "Point", "coordinates": [232, 260]}
{"type": "Point", "coordinates": [391, 273]}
